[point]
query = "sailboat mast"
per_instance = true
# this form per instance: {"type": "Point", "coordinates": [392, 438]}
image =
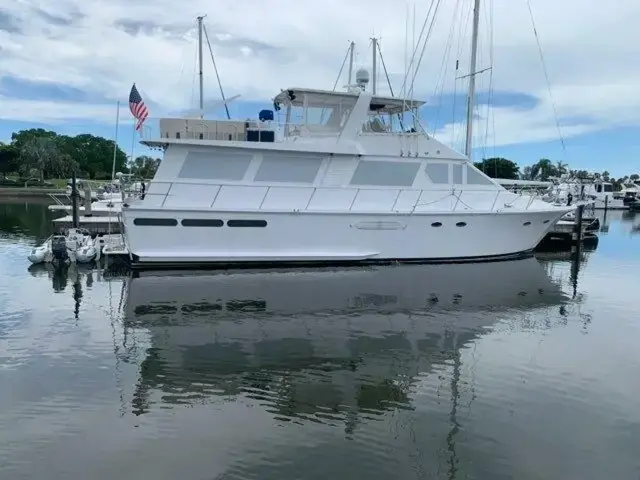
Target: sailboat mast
{"type": "Point", "coordinates": [200, 66]}
{"type": "Point", "coordinates": [374, 70]}
{"type": "Point", "coordinates": [472, 79]}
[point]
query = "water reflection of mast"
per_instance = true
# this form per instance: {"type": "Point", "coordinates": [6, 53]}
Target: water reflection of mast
{"type": "Point", "coordinates": [576, 253]}
{"type": "Point", "coordinates": [455, 396]}
{"type": "Point", "coordinates": [77, 295]}
{"type": "Point", "coordinates": [118, 369]}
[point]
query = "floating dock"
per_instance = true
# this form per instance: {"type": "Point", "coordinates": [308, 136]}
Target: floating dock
{"type": "Point", "coordinates": [100, 225]}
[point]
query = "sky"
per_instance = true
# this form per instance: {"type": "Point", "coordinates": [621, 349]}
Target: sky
{"type": "Point", "coordinates": [65, 64]}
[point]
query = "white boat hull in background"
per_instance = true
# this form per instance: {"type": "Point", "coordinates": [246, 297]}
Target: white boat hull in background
{"type": "Point", "coordinates": [610, 204]}
{"type": "Point", "coordinates": [336, 237]}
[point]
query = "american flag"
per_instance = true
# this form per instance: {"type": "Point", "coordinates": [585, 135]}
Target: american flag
{"type": "Point", "coordinates": [137, 107]}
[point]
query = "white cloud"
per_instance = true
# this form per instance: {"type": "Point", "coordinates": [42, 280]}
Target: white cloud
{"type": "Point", "coordinates": [102, 47]}
{"type": "Point", "coordinates": [51, 112]}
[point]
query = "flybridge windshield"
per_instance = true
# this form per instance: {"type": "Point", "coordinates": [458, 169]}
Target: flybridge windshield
{"type": "Point", "coordinates": [331, 117]}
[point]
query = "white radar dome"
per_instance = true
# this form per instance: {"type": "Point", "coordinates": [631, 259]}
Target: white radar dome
{"type": "Point", "coordinates": [362, 78]}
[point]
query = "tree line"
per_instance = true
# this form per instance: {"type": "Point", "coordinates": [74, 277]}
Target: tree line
{"type": "Point", "coordinates": [543, 170]}
{"type": "Point", "coordinates": [43, 154]}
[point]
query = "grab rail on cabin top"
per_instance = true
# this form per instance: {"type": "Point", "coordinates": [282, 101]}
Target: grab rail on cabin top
{"type": "Point", "coordinates": [195, 131]}
{"type": "Point", "coordinates": [213, 129]}
{"type": "Point", "coordinates": [199, 129]}
{"type": "Point", "coordinates": [457, 194]}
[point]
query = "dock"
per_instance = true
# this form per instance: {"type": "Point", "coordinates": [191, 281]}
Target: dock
{"type": "Point", "coordinates": [101, 225]}
{"type": "Point", "coordinates": [568, 234]}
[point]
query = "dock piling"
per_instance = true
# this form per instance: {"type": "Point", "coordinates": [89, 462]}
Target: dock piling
{"type": "Point", "coordinates": [577, 232]}
{"type": "Point", "coordinates": [87, 199]}
{"type": "Point", "coordinates": [577, 227]}
{"type": "Point", "coordinates": [74, 201]}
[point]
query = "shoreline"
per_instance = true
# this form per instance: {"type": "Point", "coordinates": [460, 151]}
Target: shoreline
{"type": "Point", "coordinates": [29, 191]}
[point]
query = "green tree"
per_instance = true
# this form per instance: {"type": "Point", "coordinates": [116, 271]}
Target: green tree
{"type": "Point", "coordinates": [93, 155]}
{"type": "Point", "coordinates": [21, 138]}
{"type": "Point", "coordinates": [8, 159]}
{"type": "Point", "coordinates": [543, 169]}
{"type": "Point", "coordinates": [90, 155]}
{"type": "Point", "coordinates": [561, 168]}
{"type": "Point", "coordinates": [499, 168]}
{"type": "Point", "coordinates": [145, 166]}
{"type": "Point", "coordinates": [527, 173]}
{"type": "Point", "coordinates": [40, 154]}
{"type": "Point", "coordinates": [635, 177]}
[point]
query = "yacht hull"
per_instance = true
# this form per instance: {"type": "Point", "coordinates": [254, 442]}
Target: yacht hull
{"type": "Point", "coordinates": [341, 238]}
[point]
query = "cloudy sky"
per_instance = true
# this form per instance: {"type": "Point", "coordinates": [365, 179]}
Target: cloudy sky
{"type": "Point", "coordinates": [65, 63]}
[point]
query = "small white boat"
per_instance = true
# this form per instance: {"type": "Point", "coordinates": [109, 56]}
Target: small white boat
{"type": "Point", "coordinates": [75, 246]}
{"type": "Point", "coordinates": [87, 252]}
{"type": "Point", "coordinates": [597, 191]}
{"type": "Point", "coordinates": [41, 253]}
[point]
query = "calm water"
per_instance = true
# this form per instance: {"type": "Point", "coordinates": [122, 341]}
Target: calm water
{"type": "Point", "coordinates": [507, 370]}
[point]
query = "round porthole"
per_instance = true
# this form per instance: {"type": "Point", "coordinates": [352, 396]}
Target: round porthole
{"type": "Point", "coordinates": [546, 221]}
{"type": "Point", "coordinates": [436, 224]}
{"type": "Point", "coordinates": [526, 224]}
{"type": "Point", "coordinates": [461, 224]}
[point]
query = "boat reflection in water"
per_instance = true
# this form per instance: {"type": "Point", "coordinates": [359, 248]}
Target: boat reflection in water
{"type": "Point", "coordinates": [319, 344]}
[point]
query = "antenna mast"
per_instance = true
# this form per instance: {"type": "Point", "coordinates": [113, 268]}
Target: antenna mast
{"type": "Point", "coordinates": [200, 65]}
{"type": "Point", "coordinates": [472, 79]}
{"type": "Point", "coordinates": [352, 47]}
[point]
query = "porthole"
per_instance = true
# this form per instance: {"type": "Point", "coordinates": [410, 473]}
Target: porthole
{"type": "Point", "coordinates": [155, 222]}
{"type": "Point", "coordinates": [526, 224]}
{"type": "Point", "coordinates": [197, 222]}
{"type": "Point", "coordinates": [546, 221]}
{"type": "Point", "coordinates": [461, 224]}
{"type": "Point", "coordinates": [436, 224]}
{"type": "Point", "coordinates": [246, 223]}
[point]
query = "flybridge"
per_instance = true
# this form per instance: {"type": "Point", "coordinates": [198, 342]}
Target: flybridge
{"type": "Point", "coordinates": [312, 98]}
{"type": "Point", "coordinates": [307, 113]}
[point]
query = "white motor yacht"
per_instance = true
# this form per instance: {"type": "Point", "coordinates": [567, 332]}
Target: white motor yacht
{"type": "Point", "coordinates": [349, 188]}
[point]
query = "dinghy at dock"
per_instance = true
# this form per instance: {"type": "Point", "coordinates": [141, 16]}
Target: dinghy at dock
{"type": "Point", "coordinates": [76, 245]}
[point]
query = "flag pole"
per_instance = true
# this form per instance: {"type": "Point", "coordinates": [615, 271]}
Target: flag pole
{"type": "Point", "coordinates": [115, 142]}
{"type": "Point", "coordinates": [115, 154]}
{"type": "Point", "coordinates": [133, 139]}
